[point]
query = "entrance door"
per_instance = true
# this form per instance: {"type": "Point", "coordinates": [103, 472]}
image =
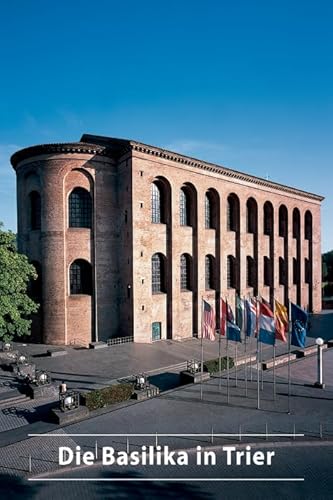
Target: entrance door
{"type": "Point", "coordinates": [156, 331]}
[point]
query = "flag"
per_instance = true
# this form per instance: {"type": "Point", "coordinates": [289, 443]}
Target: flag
{"type": "Point", "coordinates": [239, 312]}
{"type": "Point", "coordinates": [281, 321]}
{"type": "Point", "coordinates": [208, 323]}
{"type": "Point", "coordinates": [266, 325]}
{"type": "Point", "coordinates": [223, 317]}
{"type": "Point", "coordinates": [299, 320]}
{"type": "Point", "coordinates": [251, 318]}
{"type": "Point", "coordinates": [233, 331]}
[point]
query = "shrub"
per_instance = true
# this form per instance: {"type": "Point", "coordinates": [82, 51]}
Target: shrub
{"type": "Point", "coordinates": [212, 365]}
{"type": "Point", "coordinates": [107, 396]}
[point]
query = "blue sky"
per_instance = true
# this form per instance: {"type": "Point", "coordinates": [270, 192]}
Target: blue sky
{"type": "Point", "coordinates": [247, 84]}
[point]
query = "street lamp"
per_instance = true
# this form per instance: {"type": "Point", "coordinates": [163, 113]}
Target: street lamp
{"type": "Point", "coordinates": [319, 383]}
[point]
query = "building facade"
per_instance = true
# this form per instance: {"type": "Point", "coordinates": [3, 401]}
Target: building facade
{"type": "Point", "coordinates": [127, 239]}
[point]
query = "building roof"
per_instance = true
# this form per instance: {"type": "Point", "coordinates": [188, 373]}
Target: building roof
{"type": "Point", "coordinates": [113, 147]}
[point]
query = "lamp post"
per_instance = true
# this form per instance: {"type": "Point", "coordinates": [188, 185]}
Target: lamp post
{"type": "Point", "coordinates": [319, 383]}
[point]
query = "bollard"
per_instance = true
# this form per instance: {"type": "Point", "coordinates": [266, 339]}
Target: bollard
{"type": "Point", "coordinates": [294, 437]}
{"type": "Point", "coordinates": [30, 463]}
{"type": "Point", "coordinates": [321, 430]}
{"type": "Point", "coordinates": [156, 440]}
{"type": "Point", "coordinates": [127, 446]}
{"type": "Point", "coordinates": [266, 430]}
{"type": "Point", "coordinates": [240, 432]}
{"type": "Point", "coordinates": [96, 450]}
{"type": "Point", "coordinates": [212, 436]}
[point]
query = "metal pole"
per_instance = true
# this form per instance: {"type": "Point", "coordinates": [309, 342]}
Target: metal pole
{"type": "Point", "coordinates": [262, 372]}
{"type": "Point", "coordinates": [258, 375]}
{"type": "Point", "coordinates": [236, 365]}
{"type": "Point", "coordinates": [202, 319]}
{"type": "Point", "coordinates": [220, 364]}
{"type": "Point", "coordinates": [289, 340]}
{"type": "Point", "coordinates": [320, 365]}
{"type": "Point", "coordinates": [274, 382]}
{"type": "Point", "coordinates": [228, 391]}
{"type": "Point", "coordinates": [95, 270]}
{"type": "Point", "coordinates": [245, 369]}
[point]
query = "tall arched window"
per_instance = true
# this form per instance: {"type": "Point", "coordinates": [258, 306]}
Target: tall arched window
{"type": "Point", "coordinates": [157, 203]}
{"type": "Point", "coordinates": [296, 223]}
{"type": "Point", "coordinates": [209, 272]}
{"type": "Point", "coordinates": [283, 221]}
{"type": "Point", "coordinates": [282, 271]}
{"type": "Point", "coordinates": [252, 215]}
{"type": "Point", "coordinates": [308, 225]}
{"type": "Point", "coordinates": [268, 218]}
{"type": "Point", "coordinates": [233, 213]}
{"type": "Point", "coordinates": [185, 272]}
{"type": "Point", "coordinates": [80, 208]}
{"type": "Point", "coordinates": [208, 212]}
{"type": "Point", "coordinates": [35, 210]}
{"type": "Point", "coordinates": [158, 273]}
{"type": "Point", "coordinates": [231, 272]}
{"type": "Point", "coordinates": [184, 208]}
{"type": "Point", "coordinates": [268, 271]}
{"type": "Point", "coordinates": [80, 278]}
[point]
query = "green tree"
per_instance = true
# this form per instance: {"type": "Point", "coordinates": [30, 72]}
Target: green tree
{"type": "Point", "coordinates": [15, 275]}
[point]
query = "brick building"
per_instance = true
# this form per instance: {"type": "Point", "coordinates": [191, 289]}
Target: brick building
{"type": "Point", "coordinates": [127, 239]}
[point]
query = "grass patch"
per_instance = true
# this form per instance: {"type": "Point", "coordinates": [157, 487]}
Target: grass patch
{"type": "Point", "coordinates": [107, 396]}
{"type": "Point", "coordinates": [212, 365]}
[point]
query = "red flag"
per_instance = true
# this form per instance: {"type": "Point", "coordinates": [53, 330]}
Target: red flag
{"type": "Point", "coordinates": [265, 309]}
{"type": "Point", "coordinates": [208, 323]}
{"type": "Point", "coordinates": [223, 317]}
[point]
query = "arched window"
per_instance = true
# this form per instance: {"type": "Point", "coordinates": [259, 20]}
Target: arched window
{"type": "Point", "coordinates": [158, 273]}
{"type": "Point", "coordinates": [268, 272]}
{"type": "Point", "coordinates": [209, 272]}
{"type": "Point", "coordinates": [184, 208]}
{"type": "Point", "coordinates": [283, 221]}
{"type": "Point", "coordinates": [268, 218]}
{"type": "Point", "coordinates": [296, 223]}
{"type": "Point", "coordinates": [80, 278]}
{"type": "Point", "coordinates": [233, 213]}
{"type": "Point", "coordinates": [185, 272]}
{"type": "Point", "coordinates": [80, 208]}
{"type": "Point", "coordinates": [251, 272]}
{"type": "Point", "coordinates": [35, 210]}
{"type": "Point", "coordinates": [282, 271]}
{"type": "Point", "coordinates": [231, 272]}
{"type": "Point", "coordinates": [35, 286]}
{"type": "Point", "coordinates": [157, 203]}
{"type": "Point", "coordinates": [308, 225]}
{"type": "Point", "coordinates": [208, 212]}
{"type": "Point", "coordinates": [251, 212]}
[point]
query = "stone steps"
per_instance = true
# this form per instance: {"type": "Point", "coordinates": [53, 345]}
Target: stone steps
{"type": "Point", "coordinates": [11, 398]}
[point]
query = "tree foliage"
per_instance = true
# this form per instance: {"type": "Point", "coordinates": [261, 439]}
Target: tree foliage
{"type": "Point", "coordinates": [327, 260]}
{"type": "Point", "coordinates": [15, 275]}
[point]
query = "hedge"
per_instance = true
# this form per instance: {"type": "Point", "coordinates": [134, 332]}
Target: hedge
{"type": "Point", "coordinates": [212, 365]}
{"type": "Point", "coordinates": [100, 398]}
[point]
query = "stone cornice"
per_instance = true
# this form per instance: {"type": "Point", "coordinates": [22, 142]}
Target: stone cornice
{"type": "Point", "coordinates": [58, 148]}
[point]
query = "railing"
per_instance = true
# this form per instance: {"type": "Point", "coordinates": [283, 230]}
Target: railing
{"type": "Point", "coordinates": [119, 340]}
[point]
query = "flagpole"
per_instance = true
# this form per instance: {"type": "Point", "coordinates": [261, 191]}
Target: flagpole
{"type": "Point", "coordinates": [274, 381]}
{"type": "Point", "coordinates": [245, 348]}
{"type": "Point", "coordinates": [262, 372]}
{"type": "Point", "coordinates": [220, 365]}
{"type": "Point", "coordinates": [289, 335]}
{"type": "Point", "coordinates": [236, 364]}
{"type": "Point", "coordinates": [202, 314]}
{"type": "Point", "coordinates": [226, 332]}
{"type": "Point", "coordinates": [258, 377]}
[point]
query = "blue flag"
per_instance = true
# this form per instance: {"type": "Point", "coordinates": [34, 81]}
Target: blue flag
{"type": "Point", "coordinates": [233, 332]}
{"type": "Point", "coordinates": [299, 321]}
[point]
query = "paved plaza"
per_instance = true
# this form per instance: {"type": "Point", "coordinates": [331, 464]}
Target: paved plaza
{"type": "Point", "coordinates": [178, 410]}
